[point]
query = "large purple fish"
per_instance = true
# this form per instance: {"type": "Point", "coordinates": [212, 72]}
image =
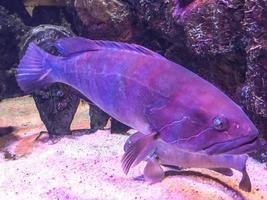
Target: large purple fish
{"type": "Point", "coordinates": [145, 91]}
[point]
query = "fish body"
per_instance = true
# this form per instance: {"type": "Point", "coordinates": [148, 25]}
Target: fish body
{"type": "Point", "coordinates": [145, 91]}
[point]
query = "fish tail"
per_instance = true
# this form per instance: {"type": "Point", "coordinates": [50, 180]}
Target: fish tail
{"type": "Point", "coordinates": [33, 70]}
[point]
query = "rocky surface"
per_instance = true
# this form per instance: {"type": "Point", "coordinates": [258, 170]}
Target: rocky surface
{"type": "Point", "coordinates": [17, 8]}
{"type": "Point", "coordinates": [12, 29]}
{"type": "Point", "coordinates": [105, 19]}
{"type": "Point", "coordinates": [82, 166]}
{"type": "Point", "coordinates": [98, 118]}
{"type": "Point", "coordinates": [254, 90]}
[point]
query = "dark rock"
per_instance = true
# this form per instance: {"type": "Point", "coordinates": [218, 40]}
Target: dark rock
{"type": "Point", "coordinates": [156, 16]}
{"type": "Point", "coordinates": [118, 127]}
{"type": "Point", "coordinates": [98, 118]}
{"type": "Point", "coordinates": [50, 15]}
{"type": "Point", "coordinates": [226, 71]}
{"type": "Point", "coordinates": [47, 15]}
{"type": "Point", "coordinates": [6, 130]}
{"type": "Point", "coordinates": [104, 19]}
{"type": "Point", "coordinates": [211, 27]}
{"type": "Point", "coordinates": [57, 106]}
{"type": "Point", "coordinates": [260, 155]}
{"type": "Point", "coordinates": [254, 92]}
{"type": "Point", "coordinates": [17, 7]}
{"type": "Point", "coordinates": [58, 103]}
{"type": "Point", "coordinates": [12, 29]}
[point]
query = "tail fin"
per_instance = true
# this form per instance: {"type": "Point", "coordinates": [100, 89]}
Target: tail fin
{"type": "Point", "coordinates": [33, 71]}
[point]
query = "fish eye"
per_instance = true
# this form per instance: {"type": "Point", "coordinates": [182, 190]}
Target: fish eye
{"type": "Point", "coordinates": [220, 123]}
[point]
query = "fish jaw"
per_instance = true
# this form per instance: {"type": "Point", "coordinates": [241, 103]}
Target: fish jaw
{"type": "Point", "coordinates": [240, 145]}
{"type": "Point", "coordinates": [153, 172]}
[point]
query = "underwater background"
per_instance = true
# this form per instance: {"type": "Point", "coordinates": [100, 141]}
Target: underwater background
{"type": "Point", "coordinates": [223, 41]}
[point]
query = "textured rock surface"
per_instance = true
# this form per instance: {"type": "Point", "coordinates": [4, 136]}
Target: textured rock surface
{"type": "Point", "coordinates": [12, 29]}
{"type": "Point", "coordinates": [105, 19]}
{"type": "Point", "coordinates": [98, 118]}
{"type": "Point", "coordinates": [89, 167]}
{"type": "Point", "coordinates": [118, 127]}
{"type": "Point", "coordinates": [16, 7]}
{"type": "Point", "coordinates": [254, 91]}
{"type": "Point", "coordinates": [211, 27]}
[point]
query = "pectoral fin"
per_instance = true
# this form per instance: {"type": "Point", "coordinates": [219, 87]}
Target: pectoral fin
{"type": "Point", "coordinates": [138, 151]}
{"type": "Point", "coordinates": [153, 172]}
{"type": "Point", "coordinates": [131, 140]}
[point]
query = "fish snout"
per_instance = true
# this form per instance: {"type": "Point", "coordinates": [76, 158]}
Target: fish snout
{"type": "Point", "coordinates": [253, 131]}
{"type": "Point", "coordinates": [242, 145]}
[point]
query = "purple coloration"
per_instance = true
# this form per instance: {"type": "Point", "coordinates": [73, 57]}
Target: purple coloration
{"type": "Point", "coordinates": [145, 91]}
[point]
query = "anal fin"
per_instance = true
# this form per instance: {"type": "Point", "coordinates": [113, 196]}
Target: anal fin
{"type": "Point", "coordinates": [153, 172]}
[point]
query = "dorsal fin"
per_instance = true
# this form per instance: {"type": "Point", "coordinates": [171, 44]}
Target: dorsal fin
{"type": "Point", "coordinates": [74, 45]}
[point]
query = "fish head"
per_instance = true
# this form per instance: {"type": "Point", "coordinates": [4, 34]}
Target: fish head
{"type": "Point", "coordinates": [217, 125]}
{"type": "Point", "coordinates": [231, 132]}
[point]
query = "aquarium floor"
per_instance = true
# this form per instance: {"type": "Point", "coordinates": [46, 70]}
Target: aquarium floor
{"type": "Point", "coordinates": [88, 166]}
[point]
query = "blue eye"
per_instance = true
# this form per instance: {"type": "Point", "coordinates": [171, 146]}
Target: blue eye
{"type": "Point", "coordinates": [220, 123]}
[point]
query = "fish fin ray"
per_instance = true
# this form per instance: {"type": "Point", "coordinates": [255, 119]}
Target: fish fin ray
{"type": "Point", "coordinates": [33, 72]}
{"type": "Point", "coordinates": [74, 45]}
{"type": "Point", "coordinates": [132, 139]}
{"type": "Point", "coordinates": [138, 151]}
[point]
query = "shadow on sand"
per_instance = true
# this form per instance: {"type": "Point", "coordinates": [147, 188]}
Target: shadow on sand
{"type": "Point", "coordinates": [236, 194]}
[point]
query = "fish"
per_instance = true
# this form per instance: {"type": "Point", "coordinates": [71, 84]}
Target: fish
{"type": "Point", "coordinates": [145, 91]}
{"type": "Point", "coordinates": [161, 153]}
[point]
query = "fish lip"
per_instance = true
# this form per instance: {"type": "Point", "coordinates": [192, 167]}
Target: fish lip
{"type": "Point", "coordinates": [240, 145]}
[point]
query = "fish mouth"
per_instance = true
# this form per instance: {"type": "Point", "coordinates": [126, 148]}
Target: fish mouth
{"type": "Point", "coordinates": [238, 146]}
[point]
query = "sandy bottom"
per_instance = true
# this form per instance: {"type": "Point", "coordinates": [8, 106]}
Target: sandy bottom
{"type": "Point", "coordinates": [88, 166]}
